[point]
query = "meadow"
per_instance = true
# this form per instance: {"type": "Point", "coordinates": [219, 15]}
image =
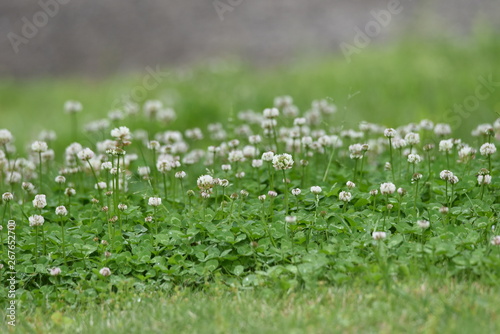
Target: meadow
{"type": "Point", "coordinates": [318, 197]}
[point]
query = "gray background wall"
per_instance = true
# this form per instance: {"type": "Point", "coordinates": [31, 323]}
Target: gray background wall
{"type": "Point", "coordinates": [101, 37]}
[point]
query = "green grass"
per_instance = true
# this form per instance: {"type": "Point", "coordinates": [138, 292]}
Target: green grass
{"type": "Point", "coordinates": [414, 306]}
{"type": "Point", "coordinates": [391, 85]}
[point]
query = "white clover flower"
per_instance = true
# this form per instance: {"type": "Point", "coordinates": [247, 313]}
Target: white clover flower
{"type": "Point", "coordinates": [390, 133]}
{"type": "Point", "coordinates": [5, 137]}
{"type": "Point", "coordinates": [236, 156]}
{"type": "Point", "coordinates": [446, 145]}
{"type": "Point", "coordinates": [271, 113]}
{"type": "Point", "coordinates": [414, 158]}
{"type": "Point", "coordinates": [387, 188]}
{"type": "Point", "coordinates": [296, 191]}
{"type": "Point", "coordinates": [454, 179]}
{"type": "Point", "coordinates": [60, 179]}
{"type": "Point", "coordinates": [36, 220]}
{"type": "Point", "coordinates": [379, 235]}
{"type": "Point", "coordinates": [226, 168]}
{"type": "Point", "coordinates": [164, 165]}
{"type": "Point", "coordinates": [442, 129]}
{"type": "Point", "coordinates": [444, 210]}
{"type": "Point", "coordinates": [446, 175]}
{"type": "Point", "coordinates": [7, 197]}
{"type": "Point", "coordinates": [345, 196]}
{"type": "Point", "coordinates": [143, 170]}
{"type": "Point", "coordinates": [72, 107]}
{"type": "Point", "coordinates": [412, 138]}
{"type": "Point", "coordinates": [466, 153]}
{"type": "Point", "coordinates": [268, 156]}
{"type": "Point", "coordinates": [282, 161]}
{"type": "Point", "coordinates": [299, 121]}
{"type": "Point", "coordinates": [70, 192]}
{"type": "Point", "coordinates": [350, 184]}
{"type": "Point", "coordinates": [122, 206]}
{"type": "Point", "coordinates": [39, 146]}
{"type": "Point", "coordinates": [495, 241]}
{"type": "Point", "coordinates": [180, 175]}
{"type": "Point", "coordinates": [356, 151]}
{"type": "Point", "coordinates": [55, 271]}
{"type": "Point", "coordinates": [205, 182]}
{"type": "Point", "coordinates": [272, 193]}
{"type": "Point", "coordinates": [423, 224]}
{"type": "Point", "coordinates": [224, 183]}
{"type": "Point", "coordinates": [401, 191]}
{"type": "Point", "coordinates": [40, 201]}
{"type": "Point", "coordinates": [257, 163]}
{"type": "Point", "coordinates": [487, 149]}
{"type": "Point", "coordinates": [262, 198]}
{"type": "Point", "coordinates": [100, 185]}
{"type": "Point", "coordinates": [374, 192]}
{"type": "Point", "coordinates": [122, 133]}
{"type": "Point", "coordinates": [61, 211]}
{"type": "Point", "coordinates": [316, 190]}
{"type": "Point", "coordinates": [153, 145]}
{"type": "Point", "coordinates": [484, 179]}
{"type": "Point", "coordinates": [106, 165]}
{"type": "Point", "coordinates": [105, 271]}
{"type": "Point", "coordinates": [86, 154]}
{"type": "Point", "coordinates": [426, 124]}
{"type": "Point", "coordinates": [254, 139]}
{"type": "Point", "coordinates": [154, 201]}
{"type": "Point", "coordinates": [291, 219]}
{"type": "Point", "coordinates": [240, 175]}
{"type": "Point", "coordinates": [399, 143]}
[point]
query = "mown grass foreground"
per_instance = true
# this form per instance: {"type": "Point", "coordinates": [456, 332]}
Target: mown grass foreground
{"type": "Point", "coordinates": [282, 219]}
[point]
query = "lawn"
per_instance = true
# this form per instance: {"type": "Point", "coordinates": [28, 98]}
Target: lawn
{"type": "Point", "coordinates": [206, 219]}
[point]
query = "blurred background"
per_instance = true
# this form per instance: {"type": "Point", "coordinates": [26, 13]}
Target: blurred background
{"type": "Point", "coordinates": [385, 61]}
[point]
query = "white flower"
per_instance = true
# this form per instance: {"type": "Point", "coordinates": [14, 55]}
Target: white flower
{"type": "Point", "coordinates": [442, 129]}
{"type": "Point", "coordinates": [299, 121]}
{"type": "Point", "coordinates": [205, 182]}
{"type": "Point", "coordinates": [105, 271]}
{"type": "Point", "coordinates": [61, 211]}
{"type": "Point", "coordinates": [296, 191]}
{"type": "Point", "coordinates": [350, 184]}
{"type": "Point", "coordinates": [272, 193]}
{"type": "Point", "coordinates": [374, 192]}
{"type": "Point", "coordinates": [387, 188]}
{"type": "Point", "coordinates": [290, 219]}
{"type": "Point", "coordinates": [60, 179]}
{"type": "Point", "coordinates": [484, 179]}
{"type": "Point", "coordinates": [55, 271]}
{"type": "Point", "coordinates": [40, 201]}
{"type": "Point", "coordinates": [345, 196]}
{"type": "Point", "coordinates": [121, 133]}
{"type": "Point", "coordinates": [86, 154]}
{"type": "Point", "coordinates": [154, 201]}
{"type": "Point", "coordinates": [143, 170]}
{"type": "Point", "coordinates": [39, 146]}
{"type": "Point", "coordinates": [390, 133]}
{"type": "Point", "coordinates": [5, 137]}
{"type": "Point", "coordinates": [414, 158]}
{"type": "Point", "coordinates": [236, 156]}
{"type": "Point", "coordinates": [379, 235]}
{"type": "Point", "coordinates": [316, 190]}
{"type": "Point", "coordinates": [487, 149]}
{"type": "Point", "coordinates": [100, 185]}
{"type": "Point", "coordinates": [426, 124]}
{"type": "Point", "coordinates": [180, 175]}
{"type": "Point", "coordinates": [256, 163]}
{"type": "Point", "coordinates": [36, 220]}
{"type": "Point", "coordinates": [496, 240]}
{"type": "Point", "coordinates": [72, 107]}
{"type": "Point", "coordinates": [423, 224]}
{"type": "Point", "coordinates": [282, 161]}
{"type": "Point", "coordinates": [271, 113]}
{"type": "Point", "coordinates": [412, 138]}
{"type": "Point", "coordinates": [262, 198]}
{"type": "Point", "coordinates": [7, 197]}
{"type": "Point", "coordinates": [107, 165]}
{"type": "Point", "coordinates": [268, 156]}
{"type": "Point", "coordinates": [446, 175]}
{"type": "Point", "coordinates": [446, 145]}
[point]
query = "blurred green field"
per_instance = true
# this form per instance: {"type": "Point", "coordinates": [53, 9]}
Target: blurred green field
{"type": "Point", "coordinates": [386, 84]}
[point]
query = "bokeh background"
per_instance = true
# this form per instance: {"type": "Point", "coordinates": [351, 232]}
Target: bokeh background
{"type": "Point", "coordinates": [214, 58]}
